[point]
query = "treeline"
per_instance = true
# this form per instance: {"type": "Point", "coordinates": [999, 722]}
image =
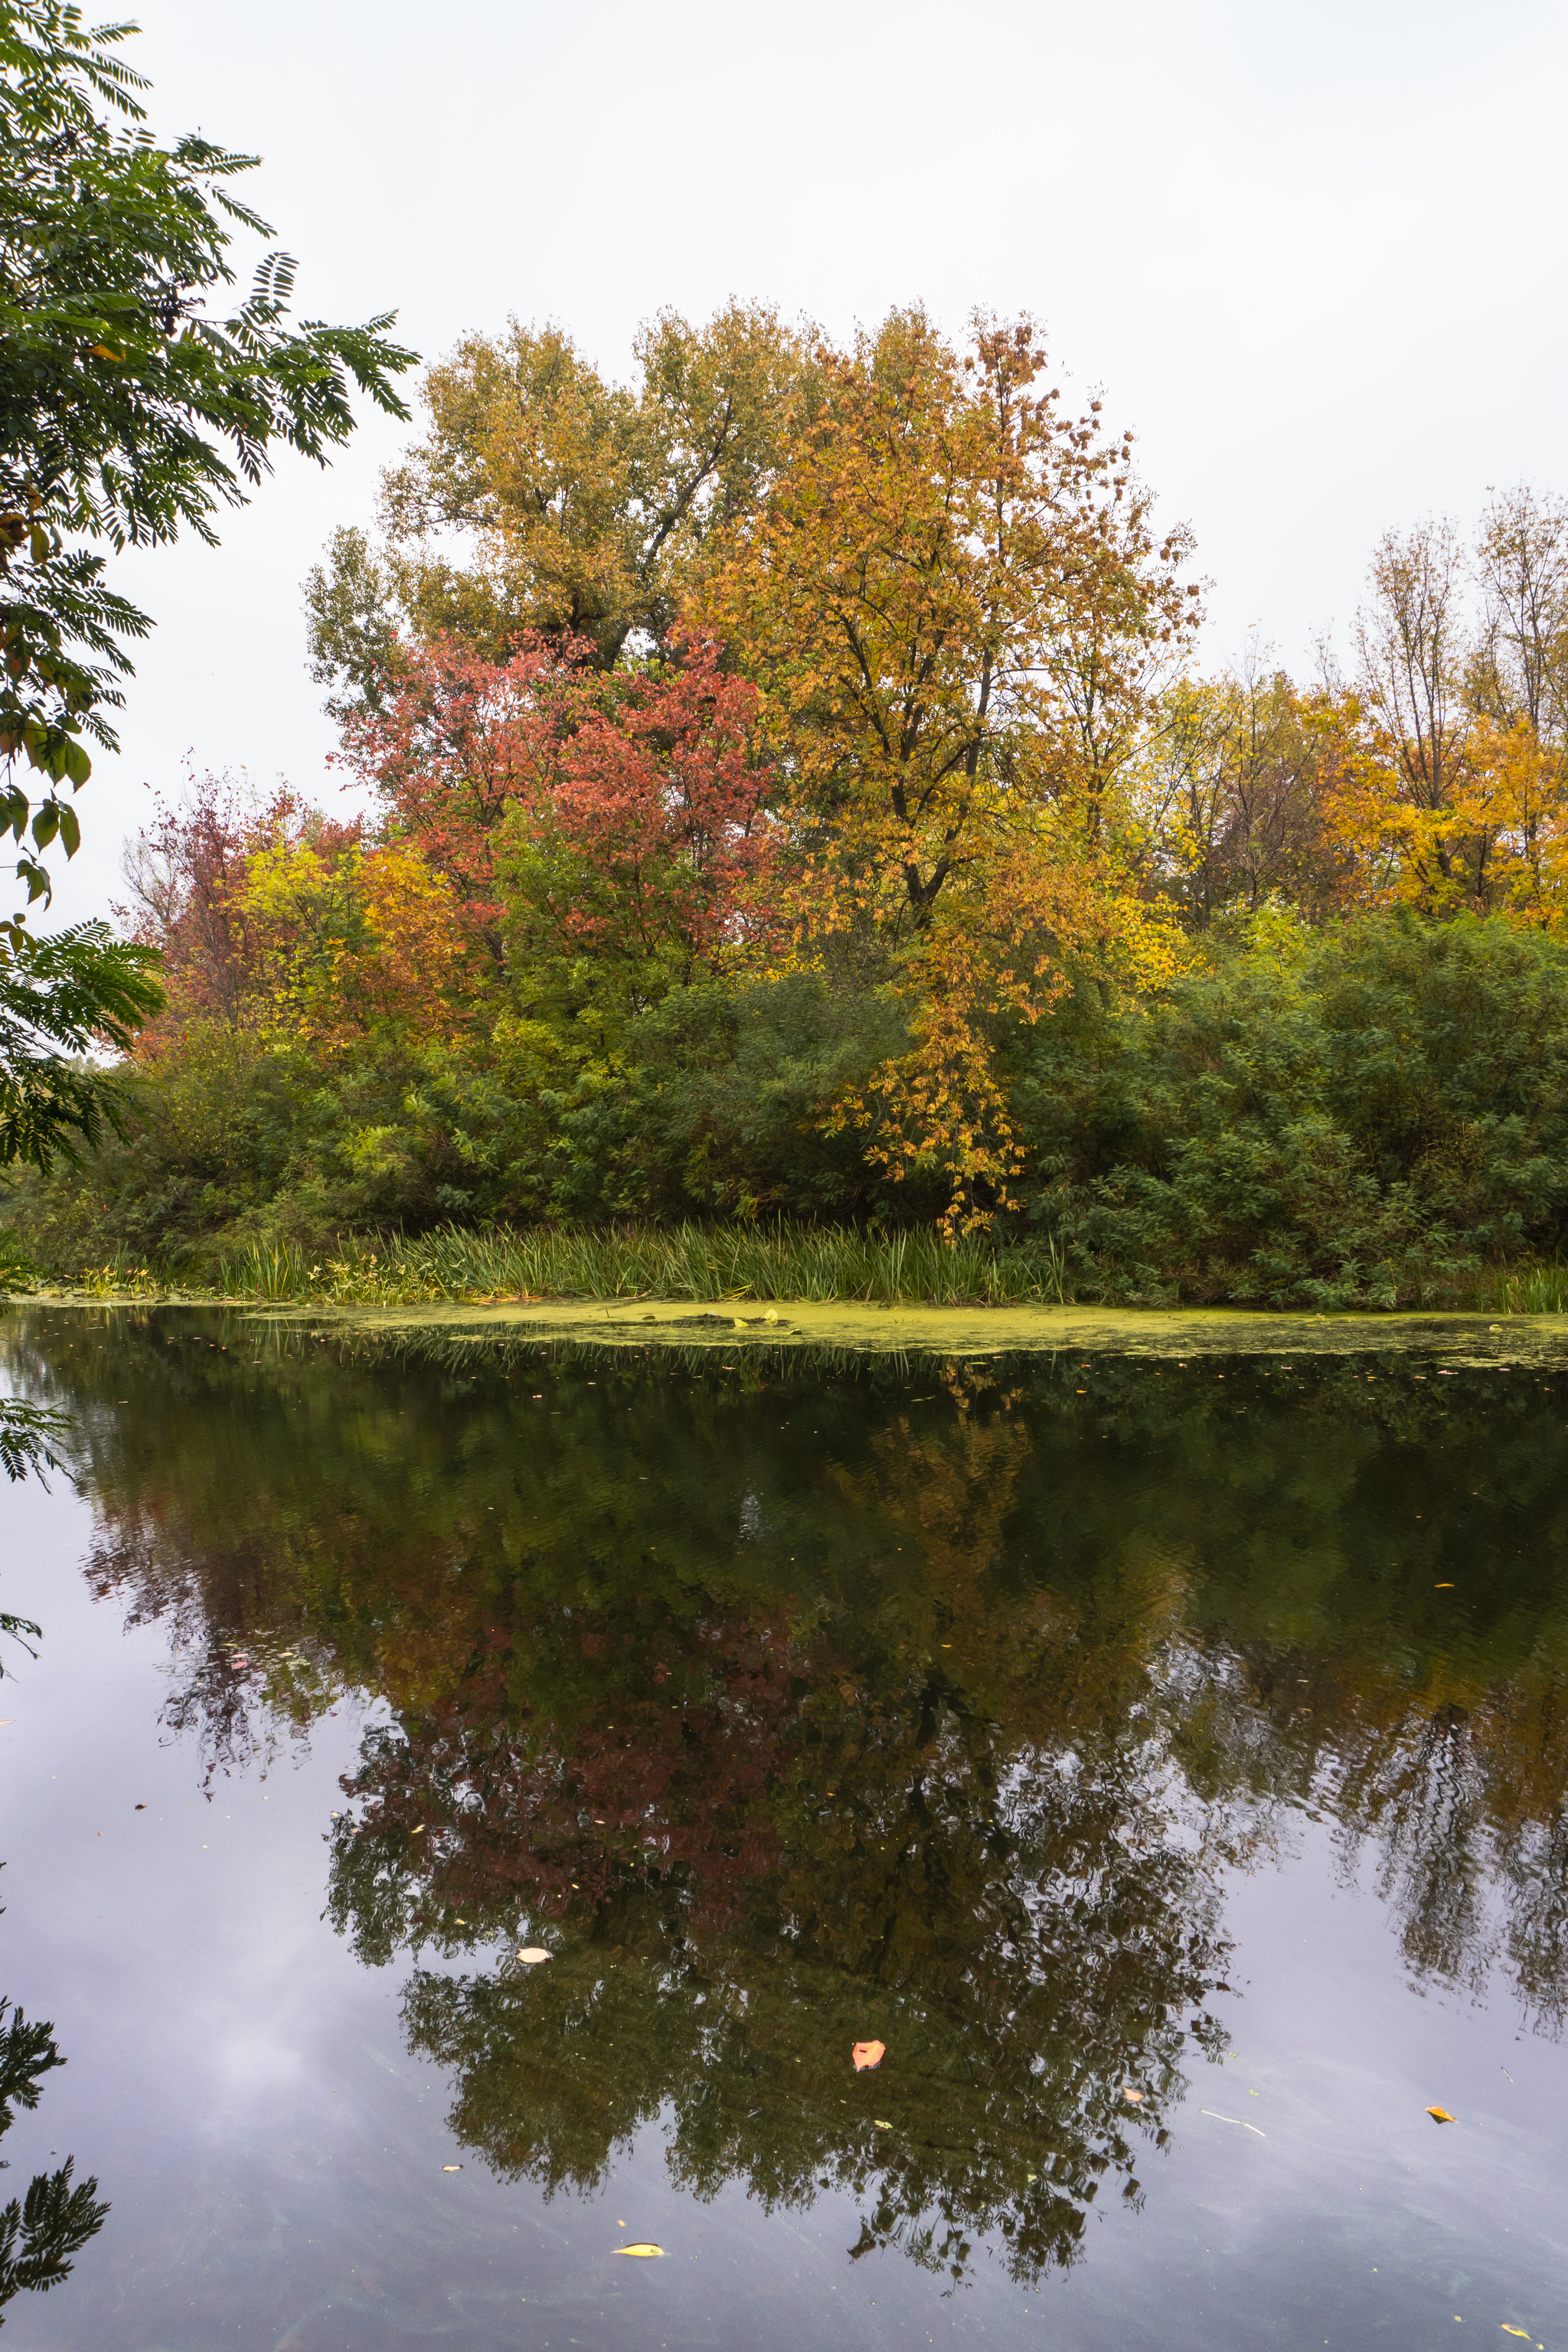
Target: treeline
{"type": "Point", "coordinates": [794, 794]}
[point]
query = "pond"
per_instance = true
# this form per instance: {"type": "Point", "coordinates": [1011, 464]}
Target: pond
{"type": "Point", "coordinates": [1164, 1759]}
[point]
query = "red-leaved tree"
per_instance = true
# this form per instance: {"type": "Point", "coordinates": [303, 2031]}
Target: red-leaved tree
{"type": "Point", "coordinates": [630, 812]}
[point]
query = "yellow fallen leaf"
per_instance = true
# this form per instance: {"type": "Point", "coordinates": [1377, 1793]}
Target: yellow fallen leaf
{"type": "Point", "coordinates": [1516, 2331]}
{"type": "Point", "coordinates": [882, 2123]}
{"type": "Point", "coordinates": [643, 2251]}
{"type": "Point", "coordinates": [533, 1953]}
{"type": "Point", "coordinates": [417, 1832]}
{"type": "Point", "coordinates": [1441, 2115]}
{"type": "Point", "coordinates": [451, 2168]}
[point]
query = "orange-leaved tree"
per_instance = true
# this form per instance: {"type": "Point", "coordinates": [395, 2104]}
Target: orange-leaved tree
{"type": "Point", "coordinates": [956, 606]}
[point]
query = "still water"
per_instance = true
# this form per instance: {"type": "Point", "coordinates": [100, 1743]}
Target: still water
{"type": "Point", "coordinates": [1166, 1762]}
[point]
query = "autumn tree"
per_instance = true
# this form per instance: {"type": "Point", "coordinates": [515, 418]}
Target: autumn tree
{"type": "Point", "coordinates": [956, 607]}
{"type": "Point", "coordinates": [576, 815]}
{"type": "Point", "coordinates": [585, 507]}
{"type": "Point", "coordinates": [1232, 783]}
{"type": "Point", "coordinates": [1456, 798]}
{"type": "Point", "coordinates": [1519, 666]}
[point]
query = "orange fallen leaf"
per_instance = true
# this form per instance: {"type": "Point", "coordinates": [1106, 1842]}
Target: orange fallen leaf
{"type": "Point", "coordinates": [1441, 2115]}
{"type": "Point", "coordinates": [869, 2054]}
{"type": "Point", "coordinates": [1129, 2092]}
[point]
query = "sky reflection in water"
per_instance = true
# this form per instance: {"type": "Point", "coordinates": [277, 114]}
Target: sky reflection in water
{"type": "Point", "coordinates": [1077, 1729]}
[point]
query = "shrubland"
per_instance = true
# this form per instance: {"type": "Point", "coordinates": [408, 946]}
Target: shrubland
{"type": "Point", "coordinates": [795, 832]}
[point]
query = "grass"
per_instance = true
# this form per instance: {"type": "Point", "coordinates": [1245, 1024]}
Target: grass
{"type": "Point", "coordinates": [1541, 1289]}
{"type": "Point", "coordinates": [778, 1261]}
{"type": "Point", "coordinates": [726, 1262]}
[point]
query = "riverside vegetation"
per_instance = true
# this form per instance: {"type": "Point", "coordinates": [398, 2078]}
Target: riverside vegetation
{"type": "Point", "coordinates": [801, 854]}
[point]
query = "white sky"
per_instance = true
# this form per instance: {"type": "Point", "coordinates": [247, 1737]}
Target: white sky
{"type": "Point", "coordinates": [1314, 255]}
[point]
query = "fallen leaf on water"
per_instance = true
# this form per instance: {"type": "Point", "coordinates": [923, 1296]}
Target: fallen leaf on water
{"type": "Point", "coordinates": [1442, 1587]}
{"type": "Point", "coordinates": [418, 1831]}
{"type": "Point", "coordinates": [643, 2251]}
{"type": "Point", "coordinates": [1129, 2092]}
{"type": "Point", "coordinates": [1441, 2115]}
{"type": "Point", "coordinates": [869, 2054]}
{"type": "Point", "coordinates": [1237, 2120]}
{"type": "Point", "coordinates": [532, 1953]}
{"type": "Point", "coordinates": [451, 2168]}
{"type": "Point", "coordinates": [1516, 2331]}
{"type": "Point", "coordinates": [882, 2123]}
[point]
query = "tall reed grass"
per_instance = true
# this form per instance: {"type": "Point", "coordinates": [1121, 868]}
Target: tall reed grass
{"type": "Point", "coordinates": [633, 1261]}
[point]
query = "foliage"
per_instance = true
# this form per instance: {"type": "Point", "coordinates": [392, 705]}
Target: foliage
{"type": "Point", "coordinates": [127, 415]}
{"type": "Point", "coordinates": [79, 989]}
{"type": "Point", "coordinates": [590, 506]}
{"type": "Point", "coordinates": [629, 813]}
{"type": "Point", "coordinates": [954, 602]}
{"type": "Point", "coordinates": [41, 2232]}
{"type": "Point", "coordinates": [118, 394]}
{"type": "Point", "coordinates": [796, 799]}
{"type": "Point", "coordinates": [1354, 1118]}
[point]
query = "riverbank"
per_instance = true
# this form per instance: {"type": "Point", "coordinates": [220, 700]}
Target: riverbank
{"type": "Point", "coordinates": [734, 1267]}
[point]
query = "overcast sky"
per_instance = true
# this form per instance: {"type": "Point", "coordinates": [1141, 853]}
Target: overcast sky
{"type": "Point", "coordinates": [1312, 256]}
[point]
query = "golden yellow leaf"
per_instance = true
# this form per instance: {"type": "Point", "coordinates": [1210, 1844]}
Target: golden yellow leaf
{"type": "Point", "coordinates": [1441, 2115]}
{"type": "Point", "coordinates": [643, 2251]}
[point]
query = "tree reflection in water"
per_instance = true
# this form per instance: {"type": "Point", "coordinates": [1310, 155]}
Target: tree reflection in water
{"type": "Point", "coordinates": [817, 1703]}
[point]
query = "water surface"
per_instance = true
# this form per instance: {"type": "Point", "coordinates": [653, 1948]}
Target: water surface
{"type": "Point", "coordinates": [1164, 1761]}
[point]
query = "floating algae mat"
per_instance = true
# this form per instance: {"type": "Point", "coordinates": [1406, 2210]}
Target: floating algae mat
{"type": "Point", "coordinates": [1001, 1827]}
{"type": "Point", "coordinates": [967, 1331]}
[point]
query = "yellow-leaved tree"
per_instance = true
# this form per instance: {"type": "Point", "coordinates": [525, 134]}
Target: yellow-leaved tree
{"type": "Point", "coordinates": [1452, 795]}
{"type": "Point", "coordinates": [957, 609]}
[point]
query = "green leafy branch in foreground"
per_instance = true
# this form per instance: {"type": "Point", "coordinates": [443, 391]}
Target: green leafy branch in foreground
{"type": "Point", "coordinates": [127, 413]}
{"type": "Point", "coordinates": [41, 2232]}
{"type": "Point", "coordinates": [28, 1436]}
{"type": "Point", "coordinates": [79, 990]}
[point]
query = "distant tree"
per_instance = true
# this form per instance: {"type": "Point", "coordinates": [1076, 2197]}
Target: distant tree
{"type": "Point", "coordinates": [588, 506]}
